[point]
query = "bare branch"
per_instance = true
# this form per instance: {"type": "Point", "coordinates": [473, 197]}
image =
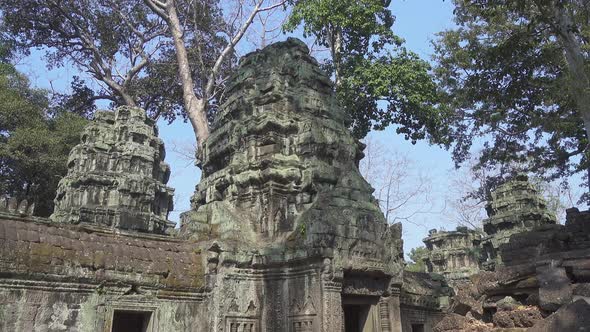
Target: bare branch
{"type": "Point", "coordinates": [158, 8]}
{"type": "Point", "coordinates": [402, 193]}
{"type": "Point", "coordinates": [234, 41]}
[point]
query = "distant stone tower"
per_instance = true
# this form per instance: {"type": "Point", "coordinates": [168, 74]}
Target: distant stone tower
{"type": "Point", "coordinates": [117, 176]}
{"type": "Point", "coordinates": [515, 207]}
{"type": "Point", "coordinates": [454, 254]}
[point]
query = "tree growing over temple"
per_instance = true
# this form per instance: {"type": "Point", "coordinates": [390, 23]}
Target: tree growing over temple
{"type": "Point", "coordinates": [378, 81]}
{"type": "Point", "coordinates": [169, 57]}
{"type": "Point", "coordinates": [113, 41]}
{"type": "Point", "coordinates": [197, 99]}
{"type": "Point", "coordinates": [172, 57]}
{"type": "Point", "coordinates": [517, 74]}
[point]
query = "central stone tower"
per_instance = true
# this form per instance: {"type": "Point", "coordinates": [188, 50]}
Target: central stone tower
{"type": "Point", "coordinates": [296, 240]}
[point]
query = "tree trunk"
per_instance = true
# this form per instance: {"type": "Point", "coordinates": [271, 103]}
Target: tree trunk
{"type": "Point", "coordinates": [335, 40]}
{"type": "Point", "coordinates": [120, 90]}
{"type": "Point", "coordinates": [579, 80]}
{"type": "Point", "coordinates": [196, 108]}
{"type": "Point", "coordinates": [129, 101]}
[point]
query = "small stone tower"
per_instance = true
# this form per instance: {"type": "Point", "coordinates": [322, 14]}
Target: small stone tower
{"type": "Point", "coordinates": [515, 207]}
{"type": "Point", "coordinates": [117, 176]}
{"type": "Point", "coordinates": [454, 254]}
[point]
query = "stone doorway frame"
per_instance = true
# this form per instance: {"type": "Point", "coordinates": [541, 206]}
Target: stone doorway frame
{"type": "Point", "coordinates": [128, 305]}
{"type": "Point", "coordinates": [371, 303]}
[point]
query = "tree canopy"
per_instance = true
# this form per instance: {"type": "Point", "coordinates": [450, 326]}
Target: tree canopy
{"type": "Point", "coordinates": [378, 81]}
{"type": "Point", "coordinates": [416, 255]}
{"type": "Point", "coordinates": [172, 57]}
{"type": "Point", "coordinates": [35, 140]}
{"type": "Point", "coordinates": [515, 73]}
{"type": "Point", "coordinates": [112, 40]}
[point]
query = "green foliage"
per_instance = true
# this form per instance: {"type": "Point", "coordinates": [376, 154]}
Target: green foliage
{"type": "Point", "coordinates": [123, 44]}
{"type": "Point", "coordinates": [359, 22]}
{"type": "Point", "coordinates": [506, 79]}
{"type": "Point", "coordinates": [475, 252]}
{"type": "Point", "coordinates": [416, 255]}
{"type": "Point", "coordinates": [35, 141]}
{"type": "Point", "coordinates": [391, 89]}
{"type": "Point", "coordinates": [378, 81]}
{"type": "Point", "coordinates": [109, 39]}
{"type": "Point", "coordinates": [302, 229]}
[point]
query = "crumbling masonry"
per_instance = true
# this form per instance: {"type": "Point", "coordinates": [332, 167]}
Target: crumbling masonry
{"type": "Point", "coordinates": [283, 234]}
{"type": "Point", "coordinates": [514, 207]}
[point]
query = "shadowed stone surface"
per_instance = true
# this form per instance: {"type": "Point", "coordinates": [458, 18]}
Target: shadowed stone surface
{"type": "Point", "coordinates": [422, 297]}
{"type": "Point", "coordinates": [41, 251]}
{"type": "Point", "coordinates": [117, 176]}
{"type": "Point", "coordinates": [574, 317]}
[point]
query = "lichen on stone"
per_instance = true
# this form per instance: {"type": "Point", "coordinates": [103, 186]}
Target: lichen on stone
{"type": "Point", "coordinates": [280, 166]}
{"type": "Point", "coordinates": [117, 175]}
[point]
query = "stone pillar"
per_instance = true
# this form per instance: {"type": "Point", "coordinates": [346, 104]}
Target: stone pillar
{"type": "Point", "coordinates": [390, 307]}
{"type": "Point", "coordinates": [332, 313]}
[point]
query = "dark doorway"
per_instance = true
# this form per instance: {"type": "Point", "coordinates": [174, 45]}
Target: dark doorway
{"type": "Point", "coordinates": [131, 321]}
{"type": "Point", "coordinates": [355, 317]}
{"type": "Point", "coordinates": [417, 327]}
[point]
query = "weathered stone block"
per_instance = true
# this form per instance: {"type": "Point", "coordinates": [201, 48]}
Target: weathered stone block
{"type": "Point", "coordinates": [574, 317]}
{"type": "Point", "coordinates": [517, 317]}
{"type": "Point", "coordinates": [555, 287]}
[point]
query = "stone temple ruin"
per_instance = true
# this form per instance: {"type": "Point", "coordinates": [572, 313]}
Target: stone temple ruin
{"type": "Point", "coordinates": [283, 233]}
{"type": "Point", "coordinates": [514, 207]}
{"type": "Point", "coordinates": [116, 176]}
{"type": "Point", "coordinates": [524, 271]}
{"type": "Point", "coordinates": [454, 254]}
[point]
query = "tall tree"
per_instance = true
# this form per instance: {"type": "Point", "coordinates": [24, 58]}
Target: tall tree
{"type": "Point", "coordinates": [170, 57]}
{"type": "Point", "coordinates": [378, 81]}
{"type": "Point", "coordinates": [197, 96]}
{"type": "Point", "coordinates": [113, 40]}
{"type": "Point", "coordinates": [35, 140]}
{"type": "Point", "coordinates": [516, 73]}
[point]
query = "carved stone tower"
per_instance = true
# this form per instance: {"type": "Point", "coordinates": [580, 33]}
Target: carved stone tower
{"type": "Point", "coordinates": [298, 243]}
{"type": "Point", "coordinates": [117, 175]}
{"type": "Point", "coordinates": [454, 254]}
{"type": "Point", "coordinates": [515, 207]}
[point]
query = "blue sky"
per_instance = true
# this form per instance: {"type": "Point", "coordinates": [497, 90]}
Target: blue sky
{"type": "Point", "coordinates": [417, 21]}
